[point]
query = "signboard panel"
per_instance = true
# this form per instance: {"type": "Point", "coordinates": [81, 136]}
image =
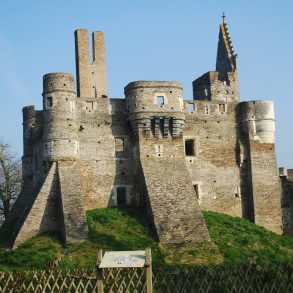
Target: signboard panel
{"type": "Point", "coordinates": [123, 259]}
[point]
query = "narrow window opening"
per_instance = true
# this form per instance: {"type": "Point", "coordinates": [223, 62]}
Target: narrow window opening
{"type": "Point", "coordinates": [191, 107]}
{"type": "Point", "coordinates": [89, 106]}
{"type": "Point", "coordinates": [189, 147]}
{"type": "Point", "coordinates": [49, 102]}
{"type": "Point", "coordinates": [196, 190]}
{"type": "Point", "coordinates": [160, 100]}
{"type": "Point", "coordinates": [222, 108]}
{"type": "Point", "coordinates": [162, 126]}
{"type": "Point", "coordinates": [153, 126]}
{"type": "Point", "coordinates": [119, 145]}
{"type": "Point", "coordinates": [207, 109]}
{"type": "Point", "coordinates": [121, 196]}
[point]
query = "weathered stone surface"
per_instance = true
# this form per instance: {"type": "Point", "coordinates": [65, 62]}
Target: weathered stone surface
{"type": "Point", "coordinates": [176, 213]}
{"type": "Point", "coordinates": [287, 205]}
{"type": "Point", "coordinates": [169, 156]}
{"type": "Point", "coordinates": [75, 225]}
{"type": "Point", "coordinates": [43, 214]}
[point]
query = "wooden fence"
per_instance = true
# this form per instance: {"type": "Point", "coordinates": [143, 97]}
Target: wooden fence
{"type": "Point", "coordinates": [250, 278]}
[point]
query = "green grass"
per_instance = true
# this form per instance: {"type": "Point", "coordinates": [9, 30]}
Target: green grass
{"type": "Point", "coordinates": [237, 241]}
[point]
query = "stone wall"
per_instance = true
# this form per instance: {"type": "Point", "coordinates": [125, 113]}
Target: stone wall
{"type": "Point", "coordinates": [43, 213]}
{"type": "Point", "coordinates": [287, 205]}
{"type": "Point", "coordinates": [169, 156]}
{"type": "Point", "coordinates": [71, 200]}
{"type": "Point", "coordinates": [214, 166]}
{"type": "Point", "coordinates": [177, 216]}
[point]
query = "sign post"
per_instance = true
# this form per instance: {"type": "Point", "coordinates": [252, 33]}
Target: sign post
{"type": "Point", "coordinates": [124, 259]}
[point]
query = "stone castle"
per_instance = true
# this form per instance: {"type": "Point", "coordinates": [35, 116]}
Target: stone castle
{"type": "Point", "coordinates": [166, 155]}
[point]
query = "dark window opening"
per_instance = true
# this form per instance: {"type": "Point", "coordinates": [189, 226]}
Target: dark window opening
{"type": "Point", "coordinates": [153, 127]}
{"type": "Point", "coordinates": [195, 186]}
{"type": "Point", "coordinates": [121, 196]}
{"type": "Point", "coordinates": [49, 102]}
{"type": "Point", "coordinates": [189, 147]}
{"type": "Point", "coordinates": [162, 126]}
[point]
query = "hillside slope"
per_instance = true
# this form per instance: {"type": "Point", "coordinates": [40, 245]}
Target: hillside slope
{"type": "Point", "coordinates": [238, 241]}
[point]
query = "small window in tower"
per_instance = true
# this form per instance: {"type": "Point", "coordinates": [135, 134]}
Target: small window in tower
{"type": "Point", "coordinates": [121, 196]}
{"type": "Point", "coordinates": [189, 147]}
{"type": "Point", "coordinates": [89, 106]}
{"type": "Point", "coordinates": [49, 102]}
{"type": "Point", "coordinates": [196, 190]}
{"type": "Point", "coordinates": [222, 108]}
{"type": "Point", "coordinates": [160, 100]}
{"type": "Point", "coordinates": [119, 145]}
{"type": "Point", "coordinates": [191, 107]}
{"type": "Point", "coordinates": [207, 109]}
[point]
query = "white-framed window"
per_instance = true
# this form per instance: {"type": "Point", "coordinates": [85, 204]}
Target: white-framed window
{"type": "Point", "coordinates": [160, 100]}
{"type": "Point", "coordinates": [222, 108]}
{"type": "Point", "coordinates": [191, 107]}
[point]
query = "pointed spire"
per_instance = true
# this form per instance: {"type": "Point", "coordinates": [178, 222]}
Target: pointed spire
{"type": "Point", "coordinates": [226, 58]}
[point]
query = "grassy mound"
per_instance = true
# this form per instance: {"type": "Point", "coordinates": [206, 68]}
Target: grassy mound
{"type": "Point", "coordinates": [237, 241]}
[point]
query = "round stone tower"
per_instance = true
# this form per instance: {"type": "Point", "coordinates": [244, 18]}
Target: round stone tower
{"type": "Point", "coordinates": [155, 103]}
{"type": "Point", "coordinates": [60, 139]}
{"type": "Point", "coordinates": [258, 120]}
{"type": "Point", "coordinates": [265, 121]}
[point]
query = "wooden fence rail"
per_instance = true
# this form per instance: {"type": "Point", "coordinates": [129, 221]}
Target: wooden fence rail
{"type": "Point", "coordinates": [244, 278]}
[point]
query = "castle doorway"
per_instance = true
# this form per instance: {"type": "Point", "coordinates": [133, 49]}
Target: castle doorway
{"type": "Point", "coordinates": [121, 196]}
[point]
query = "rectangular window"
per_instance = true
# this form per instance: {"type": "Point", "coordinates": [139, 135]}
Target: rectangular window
{"type": "Point", "coordinates": [191, 107]}
{"type": "Point", "coordinates": [207, 109]}
{"type": "Point", "coordinates": [49, 102]}
{"type": "Point", "coordinates": [196, 190]}
{"type": "Point", "coordinates": [89, 106]}
{"type": "Point", "coordinates": [160, 100]}
{"type": "Point", "coordinates": [189, 147]}
{"type": "Point", "coordinates": [121, 196]}
{"type": "Point", "coordinates": [119, 145]}
{"type": "Point", "coordinates": [222, 108]}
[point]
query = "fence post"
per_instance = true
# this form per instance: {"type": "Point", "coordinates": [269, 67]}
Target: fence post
{"type": "Point", "coordinates": [99, 271]}
{"type": "Point", "coordinates": [148, 269]}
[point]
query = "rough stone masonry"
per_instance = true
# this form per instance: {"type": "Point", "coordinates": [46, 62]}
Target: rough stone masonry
{"type": "Point", "coordinates": [169, 156]}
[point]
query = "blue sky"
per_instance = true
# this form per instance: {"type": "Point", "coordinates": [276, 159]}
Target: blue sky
{"type": "Point", "coordinates": [151, 40]}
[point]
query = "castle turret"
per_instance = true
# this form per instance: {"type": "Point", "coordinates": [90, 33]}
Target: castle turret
{"type": "Point", "coordinates": [59, 136]}
{"type": "Point", "coordinates": [262, 184]}
{"type": "Point", "coordinates": [28, 124]}
{"type": "Point", "coordinates": [156, 107]}
{"type": "Point", "coordinates": [222, 84]}
{"type": "Point", "coordinates": [91, 76]}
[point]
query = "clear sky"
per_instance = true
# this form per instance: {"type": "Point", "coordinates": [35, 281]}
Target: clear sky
{"type": "Point", "coordinates": [151, 40]}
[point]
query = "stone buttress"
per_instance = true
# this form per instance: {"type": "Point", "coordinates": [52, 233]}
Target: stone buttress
{"type": "Point", "coordinates": [168, 156]}
{"type": "Point", "coordinates": [157, 119]}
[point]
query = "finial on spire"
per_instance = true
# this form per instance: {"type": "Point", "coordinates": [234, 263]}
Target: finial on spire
{"type": "Point", "coordinates": [226, 58]}
{"type": "Point", "coordinates": [224, 17]}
